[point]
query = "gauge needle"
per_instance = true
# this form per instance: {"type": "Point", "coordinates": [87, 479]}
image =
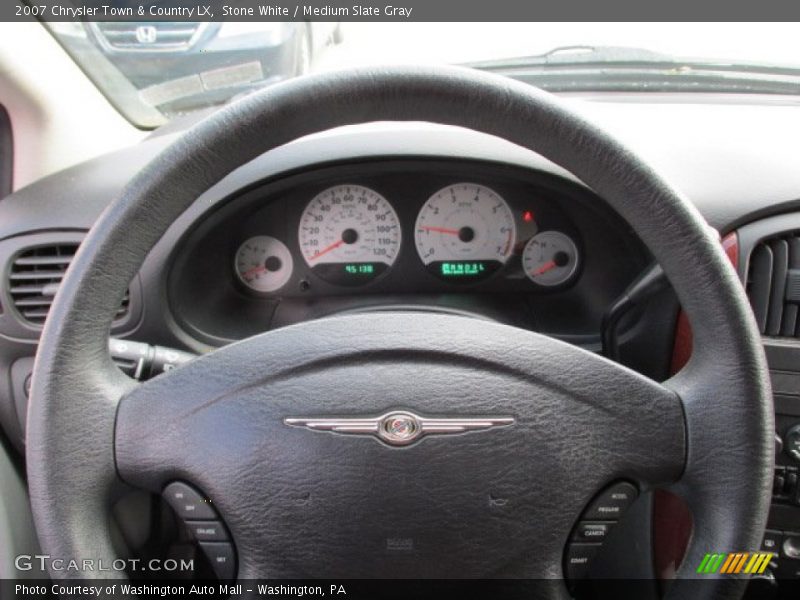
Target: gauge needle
{"type": "Point", "coordinates": [327, 249]}
{"type": "Point", "coordinates": [253, 271]}
{"type": "Point", "coordinates": [551, 264]}
{"type": "Point", "coordinates": [441, 230]}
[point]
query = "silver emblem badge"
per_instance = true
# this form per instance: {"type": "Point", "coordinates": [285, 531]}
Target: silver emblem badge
{"type": "Point", "coordinates": [399, 428]}
{"type": "Point", "coordinates": [146, 34]}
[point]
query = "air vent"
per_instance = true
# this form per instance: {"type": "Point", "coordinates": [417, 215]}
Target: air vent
{"type": "Point", "coordinates": [35, 276]}
{"type": "Point", "coordinates": [773, 285]}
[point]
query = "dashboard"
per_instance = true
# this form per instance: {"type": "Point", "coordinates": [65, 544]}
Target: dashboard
{"type": "Point", "coordinates": [424, 234]}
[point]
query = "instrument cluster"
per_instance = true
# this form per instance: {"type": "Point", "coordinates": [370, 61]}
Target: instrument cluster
{"type": "Point", "coordinates": [350, 235]}
{"type": "Point", "coordinates": [464, 237]}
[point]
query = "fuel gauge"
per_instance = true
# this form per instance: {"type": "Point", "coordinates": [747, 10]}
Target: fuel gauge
{"type": "Point", "coordinates": [550, 258]}
{"type": "Point", "coordinates": [263, 263]}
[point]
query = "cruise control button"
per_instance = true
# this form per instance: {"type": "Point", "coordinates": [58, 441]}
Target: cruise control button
{"type": "Point", "coordinates": [188, 503]}
{"type": "Point", "coordinates": [588, 531]}
{"type": "Point", "coordinates": [207, 531]}
{"type": "Point", "coordinates": [611, 503]}
{"type": "Point", "coordinates": [220, 556]}
{"type": "Point", "coordinates": [579, 559]}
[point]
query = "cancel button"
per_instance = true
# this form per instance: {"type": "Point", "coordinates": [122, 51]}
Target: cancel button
{"type": "Point", "coordinates": [591, 531]}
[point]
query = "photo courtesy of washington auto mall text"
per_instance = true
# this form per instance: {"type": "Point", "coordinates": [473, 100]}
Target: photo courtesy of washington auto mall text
{"type": "Point", "coordinates": [176, 590]}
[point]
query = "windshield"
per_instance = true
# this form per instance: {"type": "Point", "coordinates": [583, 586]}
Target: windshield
{"type": "Point", "coordinates": [154, 71]}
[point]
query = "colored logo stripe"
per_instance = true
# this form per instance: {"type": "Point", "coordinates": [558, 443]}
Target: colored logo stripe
{"type": "Point", "coordinates": [735, 562]}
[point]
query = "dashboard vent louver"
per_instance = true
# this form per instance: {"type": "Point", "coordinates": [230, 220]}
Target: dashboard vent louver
{"type": "Point", "coordinates": [35, 276]}
{"type": "Point", "coordinates": [773, 285]}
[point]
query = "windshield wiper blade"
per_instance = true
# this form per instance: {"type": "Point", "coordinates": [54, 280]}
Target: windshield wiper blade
{"type": "Point", "coordinates": [609, 68]}
{"type": "Point", "coordinates": [625, 57]}
{"type": "Point", "coordinates": [577, 55]}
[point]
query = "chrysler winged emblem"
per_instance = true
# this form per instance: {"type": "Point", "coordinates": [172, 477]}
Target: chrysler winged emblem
{"type": "Point", "coordinates": [399, 428]}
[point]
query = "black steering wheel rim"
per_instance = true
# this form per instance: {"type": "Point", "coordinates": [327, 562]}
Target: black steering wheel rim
{"type": "Point", "coordinates": [76, 389]}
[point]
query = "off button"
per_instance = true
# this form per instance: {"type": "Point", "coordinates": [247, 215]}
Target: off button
{"type": "Point", "coordinates": [612, 503]}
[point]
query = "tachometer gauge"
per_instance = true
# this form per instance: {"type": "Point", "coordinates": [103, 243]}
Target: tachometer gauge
{"type": "Point", "coordinates": [263, 263]}
{"type": "Point", "coordinates": [465, 232]}
{"type": "Point", "coordinates": [349, 234]}
{"type": "Point", "coordinates": [550, 258]}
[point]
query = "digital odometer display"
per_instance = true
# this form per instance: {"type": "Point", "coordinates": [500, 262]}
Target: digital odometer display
{"type": "Point", "coordinates": [349, 235]}
{"type": "Point", "coordinates": [465, 232]}
{"type": "Point", "coordinates": [466, 269]}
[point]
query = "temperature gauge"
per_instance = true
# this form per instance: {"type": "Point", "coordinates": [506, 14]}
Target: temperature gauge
{"type": "Point", "coordinates": [263, 263]}
{"type": "Point", "coordinates": [550, 258]}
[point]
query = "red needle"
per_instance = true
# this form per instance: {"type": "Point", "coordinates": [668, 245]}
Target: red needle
{"type": "Point", "coordinates": [545, 268]}
{"type": "Point", "coordinates": [333, 246]}
{"type": "Point", "coordinates": [441, 230]}
{"type": "Point", "coordinates": [253, 271]}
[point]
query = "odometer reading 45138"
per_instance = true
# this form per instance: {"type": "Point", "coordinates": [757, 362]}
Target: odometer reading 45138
{"type": "Point", "coordinates": [349, 234]}
{"type": "Point", "coordinates": [465, 232]}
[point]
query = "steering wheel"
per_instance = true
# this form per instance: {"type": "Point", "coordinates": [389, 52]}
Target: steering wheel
{"type": "Point", "coordinates": [302, 503]}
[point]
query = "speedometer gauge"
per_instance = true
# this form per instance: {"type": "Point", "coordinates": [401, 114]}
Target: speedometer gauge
{"type": "Point", "coordinates": [349, 234]}
{"type": "Point", "coordinates": [465, 232]}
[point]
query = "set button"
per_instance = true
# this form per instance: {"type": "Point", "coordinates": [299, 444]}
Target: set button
{"type": "Point", "coordinates": [221, 557]}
